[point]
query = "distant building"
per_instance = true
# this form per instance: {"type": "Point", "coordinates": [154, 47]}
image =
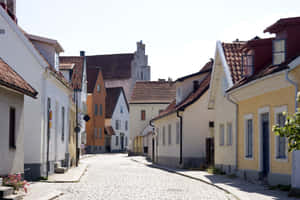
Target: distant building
{"type": "Point", "coordinates": [122, 70]}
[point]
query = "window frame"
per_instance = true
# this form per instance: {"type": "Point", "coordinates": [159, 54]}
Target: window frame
{"type": "Point", "coordinates": [278, 111]}
{"type": "Point", "coordinates": [279, 52]}
{"type": "Point", "coordinates": [100, 109]}
{"type": "Point", "coordinates": [96, 109]}
{"type": "Point", "coordinates": [229, 139]}
{"type": "Point", "coordinates": [247, 156]}
{"type": "Point", "coordinates": [164, 136]}
{"type": "Point", "coordinates": [169, 134]}
{"type": "Point", "coordinates": [221, 135]}
{"type": "Point", "coordinates": [143, 115]}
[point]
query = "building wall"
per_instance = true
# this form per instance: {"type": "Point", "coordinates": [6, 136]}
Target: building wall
{"type": "Point", "coordinates": [136, 124]}
{"type": "Point", "coordinates": [72, 137]}
{"type": "Point", "coordinates": [12, 160]}
{"type": "Point", "coordinates": [123, 117]}
{"type": "Point", "coordinates": [96, 143]}
{"type": "Point", "coordinates": [225, 112]}
{"type": "Point", "coordinates": [127, 85]}
{"type": "Point", "coordinates": [46, 50]}
{"type": "Point", "coordinates": [276, 93]}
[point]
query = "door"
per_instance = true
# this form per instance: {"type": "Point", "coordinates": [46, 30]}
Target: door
{"type": "Point", "coordinates": [153, 149]}
{"type": "Point", "coordinates": [122, 142]}
{"type": "Point", "coordinates": [265, 144]}
{"type": "Point", "coordinates": [210, 151]}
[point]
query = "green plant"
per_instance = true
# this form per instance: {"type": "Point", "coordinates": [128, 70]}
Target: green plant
{"type": "Point", "coordinates": [15, 181]}
{"type": "Point", "coordinates": [291, 129]}
{"type": "Point", "coordinates": [213, 170]}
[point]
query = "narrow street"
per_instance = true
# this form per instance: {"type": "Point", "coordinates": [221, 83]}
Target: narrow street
{"type": "Point", "coordinates": [116, 176]}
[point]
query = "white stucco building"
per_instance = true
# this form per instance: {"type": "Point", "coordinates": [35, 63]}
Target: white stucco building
{"type": "Point", "coordinates": [37, 60]}
{"type": "Point", "coordinates": [117, 116]}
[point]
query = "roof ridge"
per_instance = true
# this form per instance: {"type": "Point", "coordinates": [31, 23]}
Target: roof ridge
{"type": "Point", "coordinates": [113, 54]}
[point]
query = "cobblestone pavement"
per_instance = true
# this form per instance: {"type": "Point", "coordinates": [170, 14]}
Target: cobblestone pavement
{"type": "Point", "coordinates": [116, 176]}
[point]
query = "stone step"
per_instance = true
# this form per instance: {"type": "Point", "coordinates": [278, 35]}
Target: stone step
{"type": "Point", "coordinates": [60, 170]}
{"type": "Point", "coordinates": [13, 197]}
{"type": "Point", "coordinates": [5, 191]}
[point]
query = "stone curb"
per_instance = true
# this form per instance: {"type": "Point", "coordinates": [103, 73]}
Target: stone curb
{"type": "Point", "coordinates": [188, 176]}
{"type": "Point", "coordinates": [68, 181]}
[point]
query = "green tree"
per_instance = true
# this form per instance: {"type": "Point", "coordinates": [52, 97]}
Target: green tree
{"type": "Point", "coordinates": [291, 129]}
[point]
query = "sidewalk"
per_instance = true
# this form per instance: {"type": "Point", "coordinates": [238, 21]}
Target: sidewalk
{"type": "Point", "coordinates": [241, 189]}
{"type": "Point", "coordinates": [46, 190]}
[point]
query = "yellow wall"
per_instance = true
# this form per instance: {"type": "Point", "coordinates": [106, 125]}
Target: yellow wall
{"type": "Point", "coordinates": [72, 136]}
{"type": "Point", "coordinates": [272, 99]}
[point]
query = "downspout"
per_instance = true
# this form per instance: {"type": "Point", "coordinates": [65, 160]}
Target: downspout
{"type": "Point", "coordinates": [180, 151]}
{"type": "Point", "coordinates": [296, 87]}
{"type": "Point", "coordinates": [236, 128]}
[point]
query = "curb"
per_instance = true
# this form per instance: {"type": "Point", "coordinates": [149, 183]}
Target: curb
{"type": "Point", "coordinates": [66, 181]}
{"type": "Point", "coordinates": [187, 176]}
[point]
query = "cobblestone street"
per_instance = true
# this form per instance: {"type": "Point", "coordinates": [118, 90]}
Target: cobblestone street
{"type": "Point", "coordinates": [116, 176]}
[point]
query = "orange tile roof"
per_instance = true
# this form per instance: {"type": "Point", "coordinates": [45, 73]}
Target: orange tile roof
{"type": "Point", "coordinates": [153, 92]}
{"type": "Point", "coordinates": [233, 56]}
{"type": "Point", "coordinates": [12, 80]}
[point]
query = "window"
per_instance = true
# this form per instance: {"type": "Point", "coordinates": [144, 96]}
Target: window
{"type": "Point", "coordinates": [222, 134]}
{"type": "Point", "coordinates": [100, 133]}
{"type": "Point", "coordinates": [164, 136]}
{"type": "Point", "coordinates": [118, 124]}
{"type": "Point", "coordinates": [126, 141]}
{"type": "Point", "coordinates": [280, 141]}
{"type": "Point", "coordinates": [169, 134]}
{"type": "Point", "coordinates": [100, 110]}
{"type": "Point", "coordinates": [95, 133]}
{"type": "Point", "coordinates": [96, 109]}
{"type": "Point", "coordinates": [177, 132]}
{"type": "Point", "coordinates": [56, 61]}
{"type": "Point", "coordinates": [121, 109]}
{"type": "Point", "coordinates": [157, 137]}
{"type": "Point", "coordinates": [142, 76]}
{"type": "Point", "coordinates": [249, 138]}
{"type": "Point", "coordinates": [224, 85]}
{"type": "Point", "coordinates": [126, 125]}
{"type": "Point", "coordinates": [63, 124]}
{"type": "Point", "coordinates": [12, 128]}
{"type": "Point", "coordinates": [143, 115]}
{"type": "Point", "coordinates": [229, 134]}
{"type": "Point", "coordinates": [98, 88]}
{"type": "Point", "coordinates": [247, 64]}
{"type": "Point", "coordinates": [117, 140]}
{"type": "Point", "coordinates": [278, 51]}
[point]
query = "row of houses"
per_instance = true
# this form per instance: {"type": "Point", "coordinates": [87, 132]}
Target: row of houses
{"type": "Point", "coordinates": [55, 108]}
{"type": "Point", "coordinates": [223, 115]}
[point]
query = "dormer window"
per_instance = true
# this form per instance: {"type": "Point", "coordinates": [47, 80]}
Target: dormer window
{"type": "Point", "coordinates": [247, 65]}
{"type": "Point", "coordinates": [278, 51]}
{"type": "Point", "coordinates": [98, 88]}
{"type": "Point", "coordinates": [56, 61]}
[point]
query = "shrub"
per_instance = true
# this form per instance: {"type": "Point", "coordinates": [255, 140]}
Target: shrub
{"type": "Point", "coordinates": [15, 181]}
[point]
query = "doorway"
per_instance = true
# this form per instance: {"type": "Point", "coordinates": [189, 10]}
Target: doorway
{"type": "Point", "coordinates": [265, 136]}
{"type": "Point", "coordinates": [210, 151]}
{"type": "Point", "coordinates": [153, 149]}
{"type": "Point", "coordinates": [122, 141]}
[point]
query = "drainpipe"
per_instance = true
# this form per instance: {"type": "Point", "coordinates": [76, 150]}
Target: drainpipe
{"type": "Point", "coordinates": [236, 128]}
{"type": "Point", "coordinates": [180, 153]}
{"type": "Point", "coordinates": [296, 87]}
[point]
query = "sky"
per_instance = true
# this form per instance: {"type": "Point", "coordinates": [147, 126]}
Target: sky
{"type": "Point", "coordinates": [180, 36]}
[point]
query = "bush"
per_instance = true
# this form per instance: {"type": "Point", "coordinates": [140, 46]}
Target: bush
{"type": "Point", "coordinates": [15, 181]}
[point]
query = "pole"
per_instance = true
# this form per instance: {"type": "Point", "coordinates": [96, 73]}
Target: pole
{"type": "Point", "coordinates": [76, 129]}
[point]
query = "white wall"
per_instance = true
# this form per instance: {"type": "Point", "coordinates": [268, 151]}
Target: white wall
{"type": "Point", "coordinates": [47, 51]}
{"type": "Point", "coordinates": [12, 160]}
{"type": "Point", "coordinates": [117, 115]}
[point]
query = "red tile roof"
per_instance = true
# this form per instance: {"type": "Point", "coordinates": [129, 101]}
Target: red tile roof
{"type": "Point", "coordinates": [115, 66]}
{"type": "Point", "coordinates": [92, 75]}
{"type": "Point", "coordinates": [77, 75]}
{"type": "Point", "coordinates": [206, 68]}
{"type": "Point", "coordinates": [282, 23]}
{"type": "Point", "coordinates": [11, 79]}
{"type": "Point", "coordinates": [153, 92]}
{"type": "Point", "coordinates": [233, 56]}
{"type": "Point", "coordinates": [193, 97]}
{"type": "Point", "coordinates": [109, 130]}
{"type": "Point", "coordinates": [111, 100]}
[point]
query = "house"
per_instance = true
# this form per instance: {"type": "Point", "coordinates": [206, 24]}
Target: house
{"type": "Point", "coordinates": [45, 139]}
{"type": "Point", "coordinates": [227, 70]}
{"type": "Point", "coordinates": [116, 118]}
{"type": "Point", "coordinates": [13, 88]}
{"type": "Point", "coordinates": [95, 127]}
{"type": "Point", "coordinates": [148, 99]}
{"type": "Point", "coordinates": [267, 90]}
{"type": "Point", "coordinates": [122, 70]}
{"type": "Point", "coordinates": [74, 70]}
{"type": "Point", "coordinates": [72, 135]}
{"type": "Point", "coordinates": [182, 130]}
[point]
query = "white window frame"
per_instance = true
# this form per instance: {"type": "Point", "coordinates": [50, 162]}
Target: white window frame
{"type": "Point", "coordinates": [228, 140]}
{"type": "Point", "coordinates": [246, 118]}
{"type": "Point", "coordinates": [221, 136]}
{"type": "Point", "coordinates": [169, 134]}
{"type": "Point", "coordinates": [164, 136]}
{"type": "Point", "coordinates": [278, 110]}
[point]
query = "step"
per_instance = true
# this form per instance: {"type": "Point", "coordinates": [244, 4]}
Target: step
{"type": "Point", "coordinates": [60, 170]}
{"type": "Point", "coordinates": [6, 191]}
{"type": "Point", "coordinates": [13, 197]}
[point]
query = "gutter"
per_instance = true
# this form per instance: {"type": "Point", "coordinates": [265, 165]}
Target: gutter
{"type": "Point", "coordinates": [180, 152]}
{"type": "Point", "coordinates": [296, 87]}
{"type": "Point", "coordinates": [236, 128]}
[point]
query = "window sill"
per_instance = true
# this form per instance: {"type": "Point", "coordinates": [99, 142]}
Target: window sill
{"type": "Point", "coordinates": [281, 159]}
{"type": "Point", "coordinates": [249, 158]}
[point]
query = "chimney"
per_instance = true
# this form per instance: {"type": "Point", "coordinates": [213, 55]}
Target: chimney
{"type": "Point", "coordinates": [82, 53]}
{"type": "Point", "coordinates": [161, 80]}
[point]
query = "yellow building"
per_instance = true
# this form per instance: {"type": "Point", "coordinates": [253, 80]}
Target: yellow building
{"type": "Point", "coordinates": [72, 135]}
{"type": "Point", "coordinates": [263, 96]}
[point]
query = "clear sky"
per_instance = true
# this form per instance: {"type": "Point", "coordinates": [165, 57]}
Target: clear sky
{"type": "Point", "coordinates": [180, 36]}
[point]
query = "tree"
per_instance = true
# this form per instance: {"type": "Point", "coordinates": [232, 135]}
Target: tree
{"type": "Point", "coordinates": [291, 129]}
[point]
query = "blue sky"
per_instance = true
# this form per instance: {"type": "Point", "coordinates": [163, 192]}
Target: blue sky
{"type": "Point", "coordinates": [180, 36]}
